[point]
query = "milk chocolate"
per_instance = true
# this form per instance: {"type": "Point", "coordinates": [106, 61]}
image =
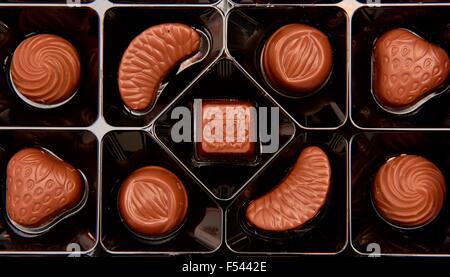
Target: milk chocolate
{"type": "Point", "coordinates": [298, 198]}
{"type": "Point", "coordinates": [407, 68]}
{"type": "Point", "coordinates": [408, 191]}
{"type": "Point", "coordinates": [297, 59]}
{"type": "Point", "coordinates": [45, 69]}
{"type": "Point", "coordinates": [149, 59]}
{"type": "Point", "coordinates": [40, 187]}
{"type": "Point", "coordinates": [153, 201]}
{"type": "Point", "coordinates": [227, 128]}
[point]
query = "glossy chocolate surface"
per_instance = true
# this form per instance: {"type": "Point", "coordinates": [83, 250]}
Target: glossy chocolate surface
{"type": "Point", "coordinates": [149, 59]}
{"type": "Point", "coordinates": [46, 69]}
{"type": "Point", "coordinates": [409, 191]}
{"type": "Point", "coordinates": [407, 68]}
{"type": "Point", "coordinates": [153, 201]}
{"type": "Point", "coordinates": [298, 198]}
{"type": "Point", "coordinates": [40, 187]}
{"type": "Point", "coordinates": [227, 128]}
{"type": "Point", "coordinates": [297, 59]}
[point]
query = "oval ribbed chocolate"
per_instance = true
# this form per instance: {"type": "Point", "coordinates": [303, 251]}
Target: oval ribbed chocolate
{"type": "Point", "coordinates": [298, 198]}
{"type": "Point", "coordinates": [149, 59]}
{"type": "Point", "coordinates": [40, 187]}
{"type": "Point", "coordinates": [407, 68]}
{"type": "Point", "coordinates": [297, 59]}
{"type": "Point", "coordinates": [46, 69]}
{"type": "Point", "coordinates": [409, 191]}
{"type": "Point", "coordinates": [153, 201]}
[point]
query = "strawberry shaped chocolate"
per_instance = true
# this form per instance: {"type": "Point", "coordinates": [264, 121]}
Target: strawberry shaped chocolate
{"type": "Point", "coordinates": [407, 69]}
{"type": "Point", "coordinates": [40, 188]}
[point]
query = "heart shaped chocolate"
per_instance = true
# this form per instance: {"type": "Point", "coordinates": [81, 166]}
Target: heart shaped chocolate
{"type": "Point", "coordinates": [407, 68]}
{"type": "Point", "coordinates": [40, 187]}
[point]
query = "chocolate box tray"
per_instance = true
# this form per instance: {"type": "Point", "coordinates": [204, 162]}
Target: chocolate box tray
{"type": "Point", "coordinates": [100, 137]}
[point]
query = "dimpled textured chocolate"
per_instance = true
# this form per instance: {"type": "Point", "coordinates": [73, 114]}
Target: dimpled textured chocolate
{"type": "Point", "coordinates": [149, 59]}
{"type": "Point", "coordinates": [40, 187]}
{"type": "Point", "coordinates": [153, 201]}
{"type": "Point", "coordinates": [407, 68]}
{"type": "Point", "coordinates": [408, 191]}
{"type": "Point", "coordinates": [297, 59]}
{"type": "Point", "coordinates": [298, 198]}
{"type": "Point", "coordinates": [239, 123]}
{"type": "Point", "coordinates": [46, 69]}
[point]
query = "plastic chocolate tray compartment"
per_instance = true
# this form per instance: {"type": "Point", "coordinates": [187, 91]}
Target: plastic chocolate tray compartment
{"type": "Point", "coordinates": [249, 28]}
{"type": "Point", "coordinates": [326, 233]}
{"type": "Point", "coordinates": [126, 151]}
{"type": "Point", "coordinates": [62, 238]}
{"type": "Point", "coordinates": [368, 152]}
{"type": "Point", "coordinates": [368, 24]}
{"type": "Point", "coordinates": [80, 27]}
{"type": "Point", "coordinates": [122, 25]}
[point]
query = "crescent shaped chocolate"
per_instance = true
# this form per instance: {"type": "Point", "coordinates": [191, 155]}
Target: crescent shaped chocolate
{"type": "Point", "coordinates": [46, 69]}
{"type": "Point", "coordinates": [40, 187]}
{"type": "Point", "coordinates": [153, 201]}
{"type": "Point", "coordinates": [298, 198]}
{"type": "Point", "coordinates": [297, 59]}
{"type": "Point", "coordinates": [409, 191]}
{"type": "Point", "coordinates": [149, 59]}
{"type": "Point", "coordinates": [407, 68]}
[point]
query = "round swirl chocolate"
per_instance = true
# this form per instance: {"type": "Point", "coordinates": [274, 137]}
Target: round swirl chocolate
{"type": "Point", "coordinates": [153, 201]}
{"type": "Point", "coordinates": [409, 191]}
{"type": "Point", "coordinates": [297, 59]}
{"type": "Point", "coordinates": [45, 69]}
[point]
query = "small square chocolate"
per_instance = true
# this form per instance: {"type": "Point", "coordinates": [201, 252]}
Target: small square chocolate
{"type": "Point", "coordinates": [227, 129]}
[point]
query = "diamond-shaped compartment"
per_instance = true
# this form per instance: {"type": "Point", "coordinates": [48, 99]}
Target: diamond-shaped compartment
{"type": "Point", "coordinates": [225, 81]}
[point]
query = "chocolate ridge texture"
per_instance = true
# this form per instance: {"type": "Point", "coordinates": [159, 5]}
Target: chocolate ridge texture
{"type": "Point", "coordinates": [46, 69]}
{"type": "Point", "coordinates": [298, 198]}
{"type": "Point", "coordinates": [149, 59]}
{"type": "Point", "coordinates": [40, 187]}
{"type": "Point", "coordinates": [407, 68]}
{"type": "Point", "coordinates": [409, 191]}
{"type": "Point", "coordinates": [153, 201]}
{"type": "Point", "coordinates": [297, 59]}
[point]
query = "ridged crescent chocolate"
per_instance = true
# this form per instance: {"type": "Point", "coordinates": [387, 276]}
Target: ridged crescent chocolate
{"type": "Point", "coordinates": [297, 59]}
{"type": "Point", "coordinates": [153, 201]}
{"type": "Point", "coordinates": [46, 69]}
{"type": "Point", "coordinates": [298, 198]}
{"type": "Point", "coordinates": [150, 57]}
{"type": "Point", "coordinates": [40, 187]}
{"type": "Point", "coordinates": [409, 191]}
{"type": "Point", "coordinates": [407, 68]}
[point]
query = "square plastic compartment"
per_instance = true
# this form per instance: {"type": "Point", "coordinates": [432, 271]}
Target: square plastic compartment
{"type": "Point", "coordinates": [80, 26]}
{"type": "Point", "coordinates": [369, 232]}
{"type": "Point", "coordinates": [369, 23]}
{"type": "Point", "coordinates": [75, 233]}
{"type": "Point", "coordinates": [123, 153]}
